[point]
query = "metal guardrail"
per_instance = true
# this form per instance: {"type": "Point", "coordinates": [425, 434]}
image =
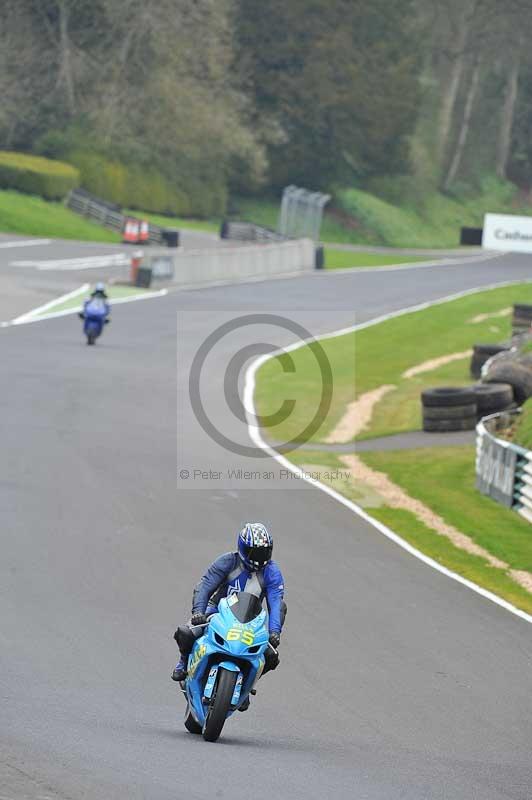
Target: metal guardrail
{"type": "Point", "coordinates": [503, 469]}
{"type": "Point", "coordinates": [107, 214]}
{"type": "Point", "coordinates": [248, 232]}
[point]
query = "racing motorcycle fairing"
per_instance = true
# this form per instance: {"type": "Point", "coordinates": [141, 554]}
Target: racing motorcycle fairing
{"type": "Point", "coordinates": [236, 640]}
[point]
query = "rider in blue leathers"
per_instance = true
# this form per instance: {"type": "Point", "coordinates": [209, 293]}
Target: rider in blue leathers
{"type": "Point", "coordinates": [249, 569]}
{"type": "Point", "coordinates": [99, 293]}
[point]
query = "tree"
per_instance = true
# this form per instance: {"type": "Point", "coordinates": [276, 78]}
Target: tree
{"type": "Point", "coordinates": [340, 81]}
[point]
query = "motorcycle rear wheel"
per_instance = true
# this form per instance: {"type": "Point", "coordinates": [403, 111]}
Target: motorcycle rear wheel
{"type": "Point", "coordinates": [220, 705]}
{"type": "Point", "coordinates": [91, 338]}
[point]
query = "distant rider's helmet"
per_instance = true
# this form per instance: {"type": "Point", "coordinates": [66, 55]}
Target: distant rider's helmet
{"type": "Point", "coordinates": [100, 287]}
{"type": "Point", "coordinates": [255, 545]}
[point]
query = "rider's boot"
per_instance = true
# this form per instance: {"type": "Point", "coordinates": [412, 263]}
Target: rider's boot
{"type": "Point", "coordinates": [245, 704]}
{"type": "Point", "coordinates": [180, 671]}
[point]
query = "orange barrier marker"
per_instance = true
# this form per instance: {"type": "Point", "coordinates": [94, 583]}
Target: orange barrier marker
{"type": "Point", "coordinates": [136, 260]}
{"type": "Point", "coordinates": [131, 231]}
{"type": "Point", "coordinates": [144, 232]}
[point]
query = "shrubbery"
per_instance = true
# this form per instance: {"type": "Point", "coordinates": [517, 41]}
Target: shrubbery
{"type": "Point", "coordinates": [145, 188]}
{"type": "Point", "coordinates": [35, 175]}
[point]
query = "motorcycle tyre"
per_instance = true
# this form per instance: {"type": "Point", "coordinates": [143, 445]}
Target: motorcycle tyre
{"type": "Point", "coordinates": [220, 705]}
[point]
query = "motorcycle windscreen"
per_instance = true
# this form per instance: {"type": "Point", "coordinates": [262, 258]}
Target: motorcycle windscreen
{"type": "Point", "coordinates": [245, 606]}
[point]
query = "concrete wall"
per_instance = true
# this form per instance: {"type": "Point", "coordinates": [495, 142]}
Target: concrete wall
{"type": "Point", "coordinates": [231, 263]}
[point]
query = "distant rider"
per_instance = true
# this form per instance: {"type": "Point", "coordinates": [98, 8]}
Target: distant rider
{"type": "Point", "coordinates": [99, 291]}
{"type": "Point", "coordinates": [249, 569]}
{"type": "Point", "coordinates": [98, 294]}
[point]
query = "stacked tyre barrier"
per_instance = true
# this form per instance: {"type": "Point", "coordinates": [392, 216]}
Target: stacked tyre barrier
{"type": "Point", "coordinates": [449, 408]}
{"type": "Point", "coordinates": [503, 469]}
{"type": "Point", "coordinates": [522, 319]}
{"type": "Point", "coordinates": [458, 408]}
{"type": "Point", "coordinates": [482, 353]}
{"type": "Point", "coordinates": [513, 368]}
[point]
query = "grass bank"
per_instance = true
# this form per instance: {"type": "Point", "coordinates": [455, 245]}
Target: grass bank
{"type": "Point", "coordinates": [441, 478]}
{"type": "Point", "coordinates": [394, 214]}
{"type": "Point", "coordinates": [344, 259]}
{"type": "Point", "coordinates": [32, 216]}
{"type": "Point", "coordinates": [357, 217]}
{"type": "Point", "coordinates": [370, 358]}
{"type": "Point", "coordinates": [522, 434]}
{"type": "Point", "coordinates": [207, 226]}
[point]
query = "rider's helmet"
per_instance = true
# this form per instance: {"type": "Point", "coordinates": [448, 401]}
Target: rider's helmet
{"type": "Point", "coordinates": [100, 287]}
{"type": "Point", "coordinates": [255, 545]}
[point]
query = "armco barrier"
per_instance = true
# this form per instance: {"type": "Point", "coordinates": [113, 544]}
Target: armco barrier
{"type": "Point", "coordinates": [248, 232]}
{"type": "Point", "coordinates": [504, 470]}
{"type": "Point", "coordinates": [229, 264]}
{"type": "Point", "coordinates": [110, 216]}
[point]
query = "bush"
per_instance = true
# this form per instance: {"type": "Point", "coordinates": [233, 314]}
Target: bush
{"type": "Point", "coordinates": [35, 175]}
{"type": "Point", "coordinates": [145, 188]}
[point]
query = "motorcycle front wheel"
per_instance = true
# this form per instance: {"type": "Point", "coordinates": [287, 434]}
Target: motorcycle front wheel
{"type": "Point", "coordinates": [220, 705]}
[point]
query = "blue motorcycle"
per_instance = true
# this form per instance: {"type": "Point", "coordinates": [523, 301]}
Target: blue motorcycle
{"type": "Point", "coordinates": [225, 664]}
{"type": "Point", "coordinates": [94, 315]}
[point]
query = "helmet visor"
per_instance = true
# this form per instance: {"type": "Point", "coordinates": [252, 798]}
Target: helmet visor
{"type": "Point", "coordinates": [259, 555]}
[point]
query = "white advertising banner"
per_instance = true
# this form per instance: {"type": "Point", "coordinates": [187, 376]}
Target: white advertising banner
{"type": "Point", "coordinates": [508, 233]}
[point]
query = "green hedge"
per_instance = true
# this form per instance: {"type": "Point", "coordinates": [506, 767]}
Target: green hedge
{"type": "Point", "coordinates": [35, 175]}
{"type": "Point", "coordinates": [137, 187]}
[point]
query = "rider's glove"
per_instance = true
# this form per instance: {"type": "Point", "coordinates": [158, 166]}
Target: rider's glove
{"type": "Point", "coordinates": [198, 618]}
{"type": "Point", "coordinates": [275, 639]}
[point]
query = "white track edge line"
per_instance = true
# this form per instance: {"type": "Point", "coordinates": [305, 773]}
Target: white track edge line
{"type": "Point", "coordinates": [410, 265]}
{"type": "Point", "coordinates": [56, 301]}
{"type": "Point", "coordinates": [24, 243]}
{"type": "Point", "coordinates": [255, 435]}
{"type": "Point", "coordinates": [69, 311]}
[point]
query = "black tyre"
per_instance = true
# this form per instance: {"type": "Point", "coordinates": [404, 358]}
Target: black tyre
{"type": "Point", "coordinates": [449, 412]}
{"type": "Point", "coordinates": [91, 338]}
{"type": "Point", "coordinates": [492, 397]}
{"type": "Point", "coordinates": [448, 396]}
{"type": "Point", "coordinates": [448, 425]}
{"type": "Point", "coordinates": [519, 376]}
{"type": "Point", "coordinates": [191, 725]}
{"type": "Point", "coordinates": [481, 353]}
{"type": "Point", "coordinates": [220, 705]}
{"type": "Point", "coordinates": [523, 310]}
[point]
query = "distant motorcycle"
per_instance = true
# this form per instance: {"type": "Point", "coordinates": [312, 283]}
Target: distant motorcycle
{"type": "Point", "coordinates": [225, 664]}
{"type": "Point", "coordinates": [95, 315]}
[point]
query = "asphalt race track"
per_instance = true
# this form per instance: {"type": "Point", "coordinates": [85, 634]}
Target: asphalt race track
{"type": "Point", "coordinates": [395, 682]}
{"type": "Point", "coordinates": [24, 287]}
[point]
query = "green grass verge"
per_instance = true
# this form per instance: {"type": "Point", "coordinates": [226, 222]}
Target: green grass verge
{"type": "Point", "coordinates": [378, 355]}
{"type": "Point", "coordinates": [208, 226]}
{"type": "Point", "coordinates": [32, 216]}
{"type": "Point", "coordinates": [344, 259]}
{"type": "Point", "coordinates": [522, 434]}
{"type": "Point", "coordinates": [405, 219]}
{"type": "Point", "coordinates": [444, 479]}
{"type": "Point", "coordinates": [433, 220]}
{"type": "Point", "coordinates": [73, 303]}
